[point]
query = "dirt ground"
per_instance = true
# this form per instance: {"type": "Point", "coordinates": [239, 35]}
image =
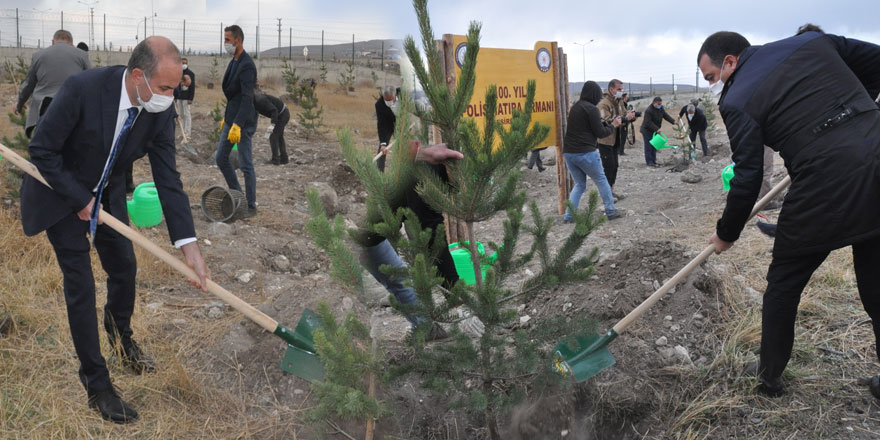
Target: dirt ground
{"type": "Point", "coordinates": [678, 371]}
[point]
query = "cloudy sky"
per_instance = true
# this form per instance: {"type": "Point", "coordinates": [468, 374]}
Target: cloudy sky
{"type": "Point", "coordinates": [634, 40]}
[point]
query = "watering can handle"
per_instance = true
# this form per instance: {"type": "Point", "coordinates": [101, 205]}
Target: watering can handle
{"type": "Point", "coordinates": [627, 320]}
{"type": "Point", "coordinates": [237, 303]}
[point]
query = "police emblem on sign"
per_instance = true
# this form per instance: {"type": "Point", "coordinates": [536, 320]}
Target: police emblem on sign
{"type": "Point", "coordinates": [460, 52]}
{"type": "Point", "coordinates": [543, 59]}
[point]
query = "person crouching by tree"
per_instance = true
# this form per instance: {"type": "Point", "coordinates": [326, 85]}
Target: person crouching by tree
{"type": "Point", "coordinates": [654, 117]}
{"type": "Point", "coordinates": [611, 107]}
{"type": "Point", "coordinates": [278, 113]}
{"type": "Point", "coordinates": [579, 150]}
{"type": "Point", "coordinates": [697, 124]}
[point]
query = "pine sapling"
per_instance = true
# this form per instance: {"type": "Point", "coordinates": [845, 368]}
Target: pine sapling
{"type": "Point", "coordinates": [310, 118]}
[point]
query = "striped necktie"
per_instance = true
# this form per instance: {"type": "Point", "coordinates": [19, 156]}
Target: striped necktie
{"type": "Point", "coordinates": [120, 141]}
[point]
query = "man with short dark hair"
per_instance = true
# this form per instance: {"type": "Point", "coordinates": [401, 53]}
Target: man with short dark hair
{"type": "Point", "coordinates": [809, 97]}
{"type": "Point", "coordinates": [49, 68]}
{"type": "Point", "coordinates": [240, 120]}
{"type": "Point", "coordinates": [651, 124]}
{"type": "Point", "coordinates": [99, 122]}
{"type": "Point", "coordinates": [184, 95]}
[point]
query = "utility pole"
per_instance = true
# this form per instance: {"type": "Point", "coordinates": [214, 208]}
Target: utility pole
{"type": "Point", "coordinates": [290, 44]}
{"type": "Point", "coordinates": [153, 18]}
{"type": "Point", "coordinates": [279, 38]}
{"type": "Point", "coordinates": [697, 82]}
{"type": "Point", "coordinates": [382, 60]}
{"type": "Point", "coordinates": [322, 45]}
{"type": "Point", "coordinates": [651, 85]}
{"type": "Point", "coordinates": [145, 28]}
{"type": "Point", "coordinates": [673, 87]}
{"type": "Point", "coordinates": [184, 36]}
{"type": "Point", "coordinates": [257, 53]}
{"type": "Point", "coordinates": [584, 56]}
{"type": "Point", "coordinates": [222, 36]}
{"type": "Point", "coordinates": [62, 20]}
{"type": "Point", "coordinates": [105, 32]}
{"type": "Point", "coordinates": [352, 50]}
{"type": "Point", "coordinates": [17, 36]}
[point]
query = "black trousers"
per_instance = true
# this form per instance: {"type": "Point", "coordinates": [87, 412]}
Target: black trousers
{"type": "Point", "coordinates": [608, 153]}
{"type": "Point", "coordinates": [535, 158]}
{"type": "Point", "coordinates": [787, 278]}
{"type": "Point", "coordinates": [70, 241]}
{"type": "Point", "coordinates": [693, 136]}
{"type": "Point", "coordinates": [276, 139]}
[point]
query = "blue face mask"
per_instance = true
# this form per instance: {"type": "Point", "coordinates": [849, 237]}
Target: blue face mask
{"type": "Point", "coordinates": [659, 107]}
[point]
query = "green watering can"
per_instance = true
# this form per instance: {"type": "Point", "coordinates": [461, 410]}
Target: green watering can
{"type": "Point", "coordinates": [726, 176]}
{"type": "Point", "coordinates": [659, 141]}
{"type": "Point", "coordinates": [461, 256]}
{"type": "Point", "coordinates": [144, 208]}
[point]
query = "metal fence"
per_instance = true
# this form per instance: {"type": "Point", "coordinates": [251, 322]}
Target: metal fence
{"type": "Point", "coordinates": [33, 28]}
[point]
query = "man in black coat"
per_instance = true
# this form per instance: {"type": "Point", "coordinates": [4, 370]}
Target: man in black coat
{"type": "Point", "coordinates": [809, 97]}
{"type": "Point", "coordinates": [184, 95]}
{"type": "Point", "coordinates": [386, 117]}
{"type": "Point", "coordinates": [653, 120]}
{"type": "Point", "coordinates": [99, 122]}
{"type": "Point", "coordinates": [274, 109]}
{"type": "Point", "coordinates": [698, 125]}
{"type": "Point", "coordinates": [240, 120]}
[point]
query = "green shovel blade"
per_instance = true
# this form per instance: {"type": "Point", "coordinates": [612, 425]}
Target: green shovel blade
{"type": "Point", "coordinates": [301, 359]}
{"type": "Point", "coordinates": [586, 358]}
{"type": "Point", "coordinates": [301, 363]}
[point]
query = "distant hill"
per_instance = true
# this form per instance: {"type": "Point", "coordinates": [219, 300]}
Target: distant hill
{"type": "Point", "coordinates": [638, 89]}
{"type": "Point", "coordinates": [362, 49]}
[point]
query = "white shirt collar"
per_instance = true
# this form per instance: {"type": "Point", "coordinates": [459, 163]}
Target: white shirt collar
{"type": "Point", "coordinates": [124, 101]}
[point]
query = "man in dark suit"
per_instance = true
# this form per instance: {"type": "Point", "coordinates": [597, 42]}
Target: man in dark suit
{"type": "Point", "coordinates": [811, 98]}
{"type": "Point", "coordinates": [697, 123]}
{"type": "Point", "coordinates": [99, 122]}
{"type": "Point", "coordinates": [184, 95]}
{"type": "Point", "coordinates": [49, 68]}
{"type": "Point", "coordinates": [274, 109]}
{"type": "Point", "coordinates": [240, 121]}
{"type": "Point", "coordinates": [386, 117]}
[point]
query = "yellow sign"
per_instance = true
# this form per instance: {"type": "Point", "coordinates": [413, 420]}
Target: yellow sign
{"type": "Point", "coordinates": [510, 70]}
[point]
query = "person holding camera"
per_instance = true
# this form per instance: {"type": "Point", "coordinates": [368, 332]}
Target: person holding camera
{"type": "Point", "coordinates": [611, 107]}
{"type": "Point", "coordinates": [625, 127]}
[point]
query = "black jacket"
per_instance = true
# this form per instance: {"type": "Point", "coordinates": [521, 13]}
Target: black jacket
{"type": "Point", "coordinates": [585, 126]}
{"type": "Point", "coordinates": [190, 93]}
{"type": "Point", "coordinates": [238, 87]}
{"type": "Point", "coordinates": [269, 106]}
{"type": "Point", "coordinates": [653, 119]}
{"type": "Point", "coordinates": [698, 122]}
{"type": "Point", "coordinates": [71, 148]}
{"type": "Point", "coordinates": [810, 98]}
{"type": "Point", "coordinates": [385, 120]}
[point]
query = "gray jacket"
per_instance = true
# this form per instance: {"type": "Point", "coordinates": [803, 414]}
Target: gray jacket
{"type": "Point", "coordinates": [49, 68]}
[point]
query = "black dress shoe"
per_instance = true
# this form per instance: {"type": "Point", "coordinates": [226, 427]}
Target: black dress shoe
{"type": "Point", "coordinates": [284, 160]}
{"type": "Point", "coordinates": [111, 406]}
{"type": "Point", "coordinates": [767, 387]}
{"type": "Point", "coordinates": [135, 358]}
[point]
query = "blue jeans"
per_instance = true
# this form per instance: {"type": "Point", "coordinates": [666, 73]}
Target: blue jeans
{"type": "Point", "coordinates": [245, 162]}
{"type": "Point", "coordinates": [581, 165]}
{"type": "Point", "coordinates": [650, 151]}
{"type": "Point", "coordinates": [384, 254]}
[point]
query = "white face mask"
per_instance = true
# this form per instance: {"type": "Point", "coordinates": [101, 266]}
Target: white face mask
{"type": "Point", "coordinates": [690, 116]}
{"type": "Point", "coordinates": [719, 85]}
{"type": "Point", "coordinates": [158, 103]}
{"type": "Point", "coordinates": [230, 48]}
{"type": "Point", "coordinates": [185, 67]}
{"type": "Point", "coordinates": [392, 105]}
{"type": "Point", "coordinates": [619, 94]}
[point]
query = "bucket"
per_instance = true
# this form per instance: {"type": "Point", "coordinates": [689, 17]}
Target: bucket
{"type": "Point", "coordinates": [659, 141]}
{"type": "Point", "coordinates": [461, 256]}
{"type": "Point", "coordinates": [144, 209]}
{"type": "Point", "coordinates": [726, 176]}
{"type": "Point", "coordinates": [221, 204]}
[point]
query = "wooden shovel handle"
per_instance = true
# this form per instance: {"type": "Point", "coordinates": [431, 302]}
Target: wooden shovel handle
{"type": "Point", "coordinates": [237, 303]}
{"type": "Point", "coordinates": [627, 320]}
{"type": "Point", "coordinates": [182, 132]}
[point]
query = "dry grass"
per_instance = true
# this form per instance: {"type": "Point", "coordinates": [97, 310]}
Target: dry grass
{"type": "Point", "coordinates": [41, 396]}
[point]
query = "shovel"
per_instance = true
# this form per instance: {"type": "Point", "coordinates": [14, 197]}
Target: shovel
{"type": "Point", "coordinates": [300, 358]}
{"type": "Point", "coordinates": [186, 145]}
{"type": "Point", "coordinates": [590, 355]}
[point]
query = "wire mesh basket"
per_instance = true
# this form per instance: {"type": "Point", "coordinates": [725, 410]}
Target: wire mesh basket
{"type": "Point", "coordinates": [221, 204]}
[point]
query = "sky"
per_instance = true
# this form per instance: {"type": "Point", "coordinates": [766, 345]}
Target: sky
{"type": "Point", "coordinates": [635, 40]}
